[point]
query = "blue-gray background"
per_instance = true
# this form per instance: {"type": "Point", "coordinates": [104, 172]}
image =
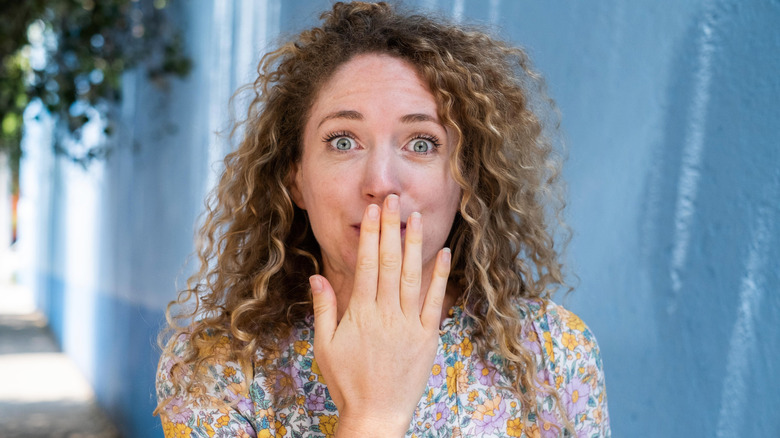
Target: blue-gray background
{"type": "Point", "coordinates": [670, 113]}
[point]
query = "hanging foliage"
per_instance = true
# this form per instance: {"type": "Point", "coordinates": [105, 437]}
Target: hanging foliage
{"type": "Point", "coordinates": [71, 54]}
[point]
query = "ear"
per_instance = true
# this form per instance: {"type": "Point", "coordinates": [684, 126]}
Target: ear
{"type": "Point", "coordinates": [296, 180]}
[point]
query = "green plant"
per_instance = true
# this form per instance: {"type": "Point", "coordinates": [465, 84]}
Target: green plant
{"type": "Point", "coordinates": [71, 55]}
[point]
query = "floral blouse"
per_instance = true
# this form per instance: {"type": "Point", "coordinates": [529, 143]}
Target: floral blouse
{"type": "Point", "coordinates": [463, 396]}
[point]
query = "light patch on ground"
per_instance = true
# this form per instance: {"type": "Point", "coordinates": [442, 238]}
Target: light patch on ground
{"type": "Point", "coordinates": [41, 377]}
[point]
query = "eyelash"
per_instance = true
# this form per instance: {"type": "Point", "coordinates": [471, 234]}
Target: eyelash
{"type": "Point", "coordinates": [431, 138]}
{"type": "Point", "coordinates": [338, 134]}
{"type": "Point", "coordinates": [420, 136]}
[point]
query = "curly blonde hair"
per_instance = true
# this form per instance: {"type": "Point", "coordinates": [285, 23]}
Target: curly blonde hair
{"type": "Point", "coordinates": [257, 251]}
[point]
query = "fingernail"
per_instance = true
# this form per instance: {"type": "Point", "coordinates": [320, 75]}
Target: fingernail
{"type": "Point", "coordinates": [373, 212]}
{"type": "Point", "coordinates": [316, 284]}
{"type": "Point", "coordinates": [392, 203]}
{"type": "Point", "coordinates": [446, 255]}
{"type": "Point", "coordinates": [414, 221]}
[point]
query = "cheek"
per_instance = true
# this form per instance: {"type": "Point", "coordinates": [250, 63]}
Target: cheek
{"type": "Point", "coordinates": [451, 195]}
{"type": "Point", "coordinates": [325, 202]}
{"type": "Point", "coordinates": [445, 206]}
{"type": "Point", "coordinates": [320, 209]}
{"type": "Point", "coordinates": [317, 188]}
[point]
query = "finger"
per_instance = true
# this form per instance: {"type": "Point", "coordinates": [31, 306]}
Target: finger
{"type": "Point", "coordinates": [430, 317]}
{"type": "Point", "coordinates": [367, 268]}
{"type": "Point", "coordinates": [390, 254]}
{"type": "Point", "coordinates": [325, 309]}
{"type": "Point", "coordinates": [411, 272]}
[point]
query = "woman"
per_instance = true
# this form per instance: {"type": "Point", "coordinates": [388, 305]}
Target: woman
{"type": "Point", "coordinates": [378, 256]}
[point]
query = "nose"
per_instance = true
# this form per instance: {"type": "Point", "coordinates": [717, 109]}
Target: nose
{"type": "Point", "coordinates": [380, 175]}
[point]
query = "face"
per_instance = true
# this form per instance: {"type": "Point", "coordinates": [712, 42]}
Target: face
{"type": "Point", "coordinates": [373, 131]}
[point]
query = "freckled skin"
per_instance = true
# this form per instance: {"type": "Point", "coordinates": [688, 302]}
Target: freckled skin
{"type": "Point", "coordinates": [377, 109]}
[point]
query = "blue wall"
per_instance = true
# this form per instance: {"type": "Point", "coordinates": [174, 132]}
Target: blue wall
{"type": "Point", "coordinates": [670, 117]}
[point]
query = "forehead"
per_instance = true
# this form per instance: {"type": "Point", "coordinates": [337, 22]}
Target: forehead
{"type": "Point", "coordinates": [374, 76]}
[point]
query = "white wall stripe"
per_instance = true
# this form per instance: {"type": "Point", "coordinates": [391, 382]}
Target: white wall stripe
{"type": "Point", "coordinates": [743, 341]}
{"type": "Point", "coordinates": [458, 8]}
{"type": "Point", "coordinates": [495, 11]}
{"type": "Point", "coordinates": [693, 148]}
{"type": "Point", "coordinates": [221, 60]}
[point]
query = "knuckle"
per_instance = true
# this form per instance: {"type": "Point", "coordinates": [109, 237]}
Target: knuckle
{"type": "Point", "coordinates": [370, 228]}
{"type": "Point", "coordinates": [366, 263]}
{"type": "Point", "coordinates": [392, 220]}
{"type": "Point", "coordinates": [442, 271]}
{"type": "Point", "coordinates": [414, 238]}
{"type": "Point", "coordinates": [390, 261]}
{"type": "Point", "coordinates": [351, 315]}
{"type": "Point", "coordinates": [411, 278]}
{"type": "Point", "coordinates": [320, 308]}
{"type": "Point", "coordinates": [437, 300]}
{"type": "Point", "coordinates": [389, 319]}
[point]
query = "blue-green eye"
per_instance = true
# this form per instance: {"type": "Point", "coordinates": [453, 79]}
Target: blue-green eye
{"type": "Point", "coordinates": [421, 146]}
{"type": "Point", "coordinates": [342, 143]}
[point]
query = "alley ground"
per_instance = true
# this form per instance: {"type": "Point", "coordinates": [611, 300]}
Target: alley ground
{"type": "Point", "coordinates": [42, 393]}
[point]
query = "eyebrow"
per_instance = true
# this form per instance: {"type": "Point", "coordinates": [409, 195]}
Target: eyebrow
{"type": "Point", "coordinates": [348, 114]}
{"type": "Point", "coordinates": [354, 115]}
{"type": "Point", "coordinates": [412, 118]}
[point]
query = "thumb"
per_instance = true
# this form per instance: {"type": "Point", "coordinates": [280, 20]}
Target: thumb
{"type": "Point", "coordinates": [325, 310]}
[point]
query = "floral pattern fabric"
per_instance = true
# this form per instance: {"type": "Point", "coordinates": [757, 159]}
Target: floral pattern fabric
{"type": "Point", "coordinates": [464, 396]}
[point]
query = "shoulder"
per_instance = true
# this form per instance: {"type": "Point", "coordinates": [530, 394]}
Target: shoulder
{"type": "Point", "coordinates": [202, 397]}
{"type": "Point", "coordinates": [560, 330]}
{"type": "Point", "coordinates": [206, 378]}
{"type": "Point", "coordinates": [571, 364]}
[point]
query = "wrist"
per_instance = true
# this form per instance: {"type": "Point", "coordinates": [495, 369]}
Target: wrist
{"type": "Point", "coordinates": [368, 426]}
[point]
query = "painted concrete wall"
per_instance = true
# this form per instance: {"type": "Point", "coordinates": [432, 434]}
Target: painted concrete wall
{"type": "Point", "coordinates": [5, 202]}
{"type": "Point", "coordinates": [670, 115]}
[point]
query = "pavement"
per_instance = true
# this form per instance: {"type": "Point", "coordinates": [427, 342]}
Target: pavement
{"type": "Point", "coordinates": [42, 392]}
